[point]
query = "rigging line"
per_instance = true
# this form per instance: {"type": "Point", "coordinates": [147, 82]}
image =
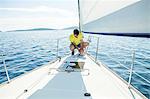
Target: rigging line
{"type": "Point", "coordinates": [137, 74]}
{"type": "Point", "coordinates": [114, 59]}
{"type": "Point", "coordinates": [96, 2]}
{"type": "Point", "coordinates": [141, 77]}
{"type": "Point", "coordinates": [129, 49]}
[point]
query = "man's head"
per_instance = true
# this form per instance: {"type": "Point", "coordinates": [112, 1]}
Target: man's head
{"type": "Point", "coordinates": [76, 32]}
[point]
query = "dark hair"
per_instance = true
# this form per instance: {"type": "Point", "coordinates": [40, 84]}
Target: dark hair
{"type": "Point", "coordinates": [76, 31]}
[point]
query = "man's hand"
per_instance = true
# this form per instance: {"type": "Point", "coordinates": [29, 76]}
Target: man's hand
{"type": "Point", "coordinates": [75, 45]}
{"type": "Point", "coordinates": [81, 40]}
{"type": "Point", "coordinates": [78, 48]}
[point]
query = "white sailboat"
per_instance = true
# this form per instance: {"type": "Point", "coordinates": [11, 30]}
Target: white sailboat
{"type": "Point", "coordinates": [74, 77]}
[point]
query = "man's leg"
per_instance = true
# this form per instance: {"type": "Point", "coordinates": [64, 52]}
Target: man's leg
{"type": "Point", "coordinates": [82, 46]}
{"type": "Point", "coordinates": [81, 51]}
{"type": "Point", "coordinates": [72, 47]}
{"type": "Point", "coordinates": [85, 44]}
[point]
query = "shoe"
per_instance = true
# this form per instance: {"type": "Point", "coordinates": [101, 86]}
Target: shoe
{"type": "Point", "coordinates": [80, 54]}
{"type": "Point", "coordinates": [72, 53]}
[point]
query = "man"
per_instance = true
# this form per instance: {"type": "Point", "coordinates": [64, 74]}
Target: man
{"type": "Point", "coordinates": [76, 40]}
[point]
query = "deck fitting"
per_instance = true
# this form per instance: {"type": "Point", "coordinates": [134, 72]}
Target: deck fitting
{"type": "Point", "coordinates": [26, 90]}
{"type": "Point", "coordinates": [87, 94]}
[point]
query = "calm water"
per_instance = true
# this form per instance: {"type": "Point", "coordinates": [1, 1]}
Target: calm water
{"type": "Point", "coordinates": [24, 51]}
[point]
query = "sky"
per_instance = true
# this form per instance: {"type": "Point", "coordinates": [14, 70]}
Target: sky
{"type": "Point", "coordinates": [27, 14]}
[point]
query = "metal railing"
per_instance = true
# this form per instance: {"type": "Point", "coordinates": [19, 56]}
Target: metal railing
{"type": "Point", "coordinates": [58, 48]}
{"type": "Point", "coordinates": [131, 69]}
{"type": "Point", "coordinates": [96, 58]}
{"type": "Point", "coordinates": [57, 56]}
{"type": "Point", "coordinates": [97, 49]}
{"type": "Point", "coordinates": [5, 67]}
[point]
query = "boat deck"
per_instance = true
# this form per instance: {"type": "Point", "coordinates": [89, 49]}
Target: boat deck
{"type": "Point", "coordinates": [89, 79]}
{"type": "Point", "coordinates": [71, 78]}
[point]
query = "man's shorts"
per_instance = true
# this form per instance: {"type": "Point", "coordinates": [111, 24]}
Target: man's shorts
{"type": "Point", "coordinates": [78, 46]}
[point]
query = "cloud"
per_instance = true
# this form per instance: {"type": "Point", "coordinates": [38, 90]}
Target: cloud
{"type": "Point", "coordinates": [35, 9]}
{"type": "Point", "coordinates": [44, 9]}
{"type": "Point", "coordinates": [25, 23]}
{"type": "Point", "coordinates": [41, 16]}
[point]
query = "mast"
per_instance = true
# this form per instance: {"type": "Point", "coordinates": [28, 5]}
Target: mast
{"type": "Point", "coordinates": [79, 14]}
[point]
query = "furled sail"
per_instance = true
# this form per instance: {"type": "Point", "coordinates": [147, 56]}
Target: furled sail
{"type": "Point", "coordinates": [115, 17]}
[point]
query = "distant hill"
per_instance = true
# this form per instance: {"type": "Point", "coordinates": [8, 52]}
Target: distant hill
{"type": "Point", "coordinates": [35, 29]}
{"type": "Point", "coordinates": [73, 27]}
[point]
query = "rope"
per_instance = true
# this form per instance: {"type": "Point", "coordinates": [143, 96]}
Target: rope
{"type": "Point", "coordinates": [129, 69]}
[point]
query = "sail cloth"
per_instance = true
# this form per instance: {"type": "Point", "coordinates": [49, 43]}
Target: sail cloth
{"type": "Point", "coordinates": [115, 17]}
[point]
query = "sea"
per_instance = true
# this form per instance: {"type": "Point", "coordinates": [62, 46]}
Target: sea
{"type": "Point", "coordinates": [24, 51]}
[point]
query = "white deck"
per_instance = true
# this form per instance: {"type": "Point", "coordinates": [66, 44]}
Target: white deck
{"type": "Point", "coordinates": [61, 84]}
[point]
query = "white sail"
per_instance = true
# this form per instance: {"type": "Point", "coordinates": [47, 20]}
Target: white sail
{"type": "Point", "coordinates": [115, 16]}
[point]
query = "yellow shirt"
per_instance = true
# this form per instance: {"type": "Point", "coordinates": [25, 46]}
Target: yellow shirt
{"type": "Point", "coordinates": [75, 40]}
